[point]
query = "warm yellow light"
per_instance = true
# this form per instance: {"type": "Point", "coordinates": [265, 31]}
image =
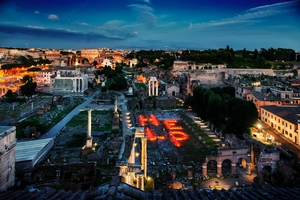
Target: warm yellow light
{"type": "Point", "coordinates": [258, 126]}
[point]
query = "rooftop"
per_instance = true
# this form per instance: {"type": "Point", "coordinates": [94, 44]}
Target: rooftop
{"type": "Point", "coordinates": [288, 113]}
{"type": "Point", "coordinates": [29, 150]}
{"type": "Point", "coordinates": [4, 129]}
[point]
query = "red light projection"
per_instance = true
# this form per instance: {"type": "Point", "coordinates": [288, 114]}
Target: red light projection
{"type": "Point", "coordinates": [170, 125]}
{"type": "Point", "coordinates": [152, 136]}
{"type": "Point", "coordinates": [142, 120]}
{"type": "Point", "coordinates": [175, 133]}
{"type": "Point", "coordinates": [153, 119]}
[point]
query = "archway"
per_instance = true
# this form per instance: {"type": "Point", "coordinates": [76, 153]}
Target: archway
{"type": "Point", "coordinates": [226, 167]}
{"type": "Point", "coordinates": [190, 67]}
{"type": "Point", "coordinates": [212, 167]}
{"type": "Point", "coordinates": [242, 163]}
{"type": "Point", "coordinates": [266, 174]}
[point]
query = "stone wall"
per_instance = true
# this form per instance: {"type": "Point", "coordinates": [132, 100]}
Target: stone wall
{"type": "Point", "coordinates": [267, 159]}
{"type": "Point", "coordinates": [7, 157]}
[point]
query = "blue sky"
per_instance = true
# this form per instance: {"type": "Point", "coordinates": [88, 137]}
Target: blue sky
{"type": "Point", "coordinates": [150, 24]}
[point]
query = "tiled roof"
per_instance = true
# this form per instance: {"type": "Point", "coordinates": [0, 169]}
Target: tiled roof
{"type": "Point", "coordinates": [264, 96]}
{"type": "Point", "coordinates": [285, 112]}
{"type": "Point", "coordinates": [124, 191]}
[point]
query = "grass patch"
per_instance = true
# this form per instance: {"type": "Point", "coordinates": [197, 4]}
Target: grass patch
{"type": "Point", "coordinates": [194, 149]}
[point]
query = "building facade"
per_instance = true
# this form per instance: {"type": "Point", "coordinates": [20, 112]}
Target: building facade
{"type": "Point", "coordinates": [284, 119]}
{"type": "Point", "coordinates": [69, 80]}
{"type": "Point", "coordinates": [7, 157]}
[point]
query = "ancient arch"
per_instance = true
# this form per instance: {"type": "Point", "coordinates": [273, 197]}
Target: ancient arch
{"type": "Point", "coordinates": [231, 150]}
{"type": "Point", "coordinates": [266, 174]}
{"type": "Point", "coordinates": [226, 166]}
{"type": "Point", "coordinates": [212, 166]}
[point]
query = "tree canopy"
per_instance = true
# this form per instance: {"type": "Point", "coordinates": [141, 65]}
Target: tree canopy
{"type": "Point", "coordinates": [28, 88]}
{"type": "Point", "coordinates": [220, 107]}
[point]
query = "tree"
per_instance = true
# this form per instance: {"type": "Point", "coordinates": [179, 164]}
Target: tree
{"type": "Point", "coordinates": [245, 53]}
{"type": "Point", "coordinates": [28, 88]}
{"type": "Point", "coordinates": [103, 89]}
{"type": "Point", "coordinates": [214, 110]}
{"type": "Point", "coordinates": [9, 94]}
{"type": "Point", "coordinates": [255, 53]}
{"type": "Point", "coordinates": [242, 116]}
{"type": "Point", "coordinates": [119, 69]}
{"type": "Point", "coordinates": [118, 83]}
{"type": "Point", "coordinates": [26, 78]}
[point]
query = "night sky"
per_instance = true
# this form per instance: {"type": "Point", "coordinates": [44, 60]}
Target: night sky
{"type": "Point", "coordinates": [150, 24]}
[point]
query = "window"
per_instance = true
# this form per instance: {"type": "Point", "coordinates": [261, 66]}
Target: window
{"type": "Point", "coordinates": [286, 132]}
{"type": "Point", "coordinates": [285, 124]}
{"type": "Point", "coordinates": [290, 126]}
{"type": "Point", "coordinates": [290, 135]}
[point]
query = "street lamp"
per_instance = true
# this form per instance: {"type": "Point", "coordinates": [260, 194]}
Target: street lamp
{"type": "Point", "coordinates": [259, 127]}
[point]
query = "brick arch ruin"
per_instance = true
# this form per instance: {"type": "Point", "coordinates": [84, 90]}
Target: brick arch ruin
{"type": "Point", "coordinates": [232, 149]}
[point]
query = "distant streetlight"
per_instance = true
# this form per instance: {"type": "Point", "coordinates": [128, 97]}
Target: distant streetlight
{"type": "Point", "coordinates": [259, 127]}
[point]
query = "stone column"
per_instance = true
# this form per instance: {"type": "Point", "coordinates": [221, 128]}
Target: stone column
{"type": "Point", "coordinates": [204, 170]}
{"type": "Point", "coordinates": [219, 169]}
{"type": "Point", "coordinates": [130, 177]}
{"type": "Point", "coordinates": [149, 88]}
{"type": "Point", "coordinates": [153, 87]}
{"type": "Point", "coordinates": [144, 155]}
{"type": "Point", "coordinates": [156, 88]}
{"type": "Point", "coordinates": [89, 142]}
{"type": "Point", "coordinates": [252, 161]}
{"type": "Point", "coordinates": [77, 85]}
{"type": "Point", "coordinates": [248, 165]}
{"type": "Point", "coordinates": [233, 168]}
{"type": "Point", "coordinates": [74, 85]}
{"type": "Point", "coordinates": [132, 155]}
{"type": "Point", "coordinates": [140, 181]}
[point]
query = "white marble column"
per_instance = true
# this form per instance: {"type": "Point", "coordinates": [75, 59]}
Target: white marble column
{"type": "Point", "coordinates": [89, 142]}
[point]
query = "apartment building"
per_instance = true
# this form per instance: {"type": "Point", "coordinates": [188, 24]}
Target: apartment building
{"type": "Point", "coordinates": [284, 119]}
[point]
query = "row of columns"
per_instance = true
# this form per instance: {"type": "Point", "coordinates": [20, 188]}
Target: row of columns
{"type": "Point", "coordinates": [79, 85]}
{"type": "Point", "coordinates": [152, 88]}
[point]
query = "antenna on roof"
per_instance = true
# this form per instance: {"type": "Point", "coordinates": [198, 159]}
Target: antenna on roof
{"type": "Point", "coordinates": [26, 45]}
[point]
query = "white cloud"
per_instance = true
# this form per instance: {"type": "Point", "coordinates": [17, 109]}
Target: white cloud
{"type": "Point", "coordinates": [36, 12]}
{"type": "Point", "coordinates": [37, 27]}
{"type": "Point", "coordinates": [145, 14]}
{"type": "Point", "coordinates": [53, 17]}
{"type": "Point", "coordinates": [83, 24]}
{"type": "Point", "coordinates": [144, 1]}
{"type": "Point", "coordinates": [252, 15]}
{"type": "Point", "coordinates": [115, 29]}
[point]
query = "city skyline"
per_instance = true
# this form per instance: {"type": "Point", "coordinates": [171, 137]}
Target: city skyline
{"type": "Point", "coordinates": [150, 24]}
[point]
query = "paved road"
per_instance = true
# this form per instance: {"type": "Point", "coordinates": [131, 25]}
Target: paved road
{"type": "Point", "coordinates": [285, 144]}
{"type": "Point", "coordinates": [55, 129]}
